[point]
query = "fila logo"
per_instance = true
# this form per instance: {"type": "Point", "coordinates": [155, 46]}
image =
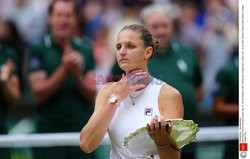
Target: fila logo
{"type": "Point", "coordinates": [148, 111]}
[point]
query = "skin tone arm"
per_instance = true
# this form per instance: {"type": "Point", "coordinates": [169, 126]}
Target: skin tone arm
{"type": "Point", "coordinates": [199, 93]}
{"type": "Point", "coordinates": [169, 101]}
{"type": "Point", "coordinates": [9, 83]}
{"type": "Point", "coordinates": [225, 109]}
{"type": "Point", "coordinates": [44, 86]}
{"type": "Point", "coordinates": [94, 131]}
{"type": "Point", "coordinates": [88, 91]}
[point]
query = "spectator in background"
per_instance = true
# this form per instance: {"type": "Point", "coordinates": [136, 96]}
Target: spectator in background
{"type": "Point", "coordinates": [219, 38]}
{"type": "Point", "coordinates": [91, 14]}
{"type": "Point", "coordinates": [9, 88]}
{"type": "Point", "coordinates": [28, 17]}
{"type": "Point", "coordinates": [104, 57]}
{"type": "Point", "coordinates": [174, 63]}
{"type": "Point", "coordinates": [10, 38]}
{"type": "Point", "coordinates": [188, 32]}
{"type": "Point", "coordinates": [226, 100]}
{"type": "Point", "coordinates": [58, 66]}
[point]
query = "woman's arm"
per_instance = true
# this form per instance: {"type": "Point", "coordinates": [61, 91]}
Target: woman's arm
{"type": "Point", "coordinates": [170, 107]}
{"type": "Point", "coordinates": [10, 90]}
{"type": "Point", "coordinates": [94, 131]}
{"type": "Point", "coordinates": [225, 109]}
{"type": "Point", "coordinates": [9, 83]}
{"type": "Point", "coordinates": [170, 103]}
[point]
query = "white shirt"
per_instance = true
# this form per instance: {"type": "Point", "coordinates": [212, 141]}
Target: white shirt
{"type": "Point", "coordinates": [129, 117]}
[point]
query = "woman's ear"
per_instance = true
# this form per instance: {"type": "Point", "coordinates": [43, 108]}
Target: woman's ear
{"type": "Point", "coordinates": [148, 53]}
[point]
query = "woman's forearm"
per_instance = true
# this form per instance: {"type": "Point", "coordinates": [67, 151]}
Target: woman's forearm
{"type": "Point", "coordinates": [167, 152]}
{"type": "Point", "coordinates": [94, 131]}
{"type": "Point", "coordinates": [10, 90]}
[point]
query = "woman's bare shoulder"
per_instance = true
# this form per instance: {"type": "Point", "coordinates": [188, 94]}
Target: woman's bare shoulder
{"type": "Point", "coordinates": [168, 91]}
{"type": "Point", "coordinates": [170, 102]}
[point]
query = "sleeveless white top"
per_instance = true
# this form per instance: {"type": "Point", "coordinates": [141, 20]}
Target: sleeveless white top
{"type": "Point", "coordinates": [129, 118]}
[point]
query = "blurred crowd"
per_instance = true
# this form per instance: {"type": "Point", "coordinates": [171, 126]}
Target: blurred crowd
{"type": "Point", "coordinates": [208, 28]}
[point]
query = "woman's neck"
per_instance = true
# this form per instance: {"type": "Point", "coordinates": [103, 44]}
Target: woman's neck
{"type": "Point", "coordinates": [140, 79]}
{"type": "Point", "coordinates": [141, 69]}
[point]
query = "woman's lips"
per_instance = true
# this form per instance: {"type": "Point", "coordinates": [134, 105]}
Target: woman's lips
{"type": "Point", "coordinates": [123, 60]}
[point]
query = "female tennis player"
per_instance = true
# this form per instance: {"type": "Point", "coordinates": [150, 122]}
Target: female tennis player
{"type": "Point", "coordinates": [135, 101]}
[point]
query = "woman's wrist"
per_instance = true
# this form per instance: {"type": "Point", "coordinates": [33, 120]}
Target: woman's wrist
{"type": "Point", "coordinates": [114, 100]}
{"type": "Point", "coordinates": [168, 145]}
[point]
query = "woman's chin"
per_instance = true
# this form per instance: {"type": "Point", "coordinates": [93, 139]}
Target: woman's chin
{"type": "Point", "coordinates": [124, 67]}
{"type": "Point", "coordinates": [128, 69]}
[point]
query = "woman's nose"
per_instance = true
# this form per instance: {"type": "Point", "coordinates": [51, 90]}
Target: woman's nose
{"type": "Point", "coordinates": [122, 51]}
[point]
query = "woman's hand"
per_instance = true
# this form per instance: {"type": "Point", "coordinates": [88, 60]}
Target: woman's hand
{"type": "Point", "coordinates": [126, 85]}
{"type": "Point", "coordinates": [7, 69]}
{"type": "Point", "coordinates": [159, 132]}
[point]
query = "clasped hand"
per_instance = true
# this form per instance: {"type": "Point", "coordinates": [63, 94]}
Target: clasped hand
{"type": "Point", "coordinates": [72, 61]}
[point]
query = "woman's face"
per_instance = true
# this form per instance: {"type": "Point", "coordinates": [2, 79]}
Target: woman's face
{"type": "Point", "coordinates": [131, 52]}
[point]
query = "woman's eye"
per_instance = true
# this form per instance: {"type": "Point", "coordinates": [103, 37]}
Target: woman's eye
{"type": "Point", "coordinates": [118, 47]}
{"type": "Point", "coordinates": [131, 46]}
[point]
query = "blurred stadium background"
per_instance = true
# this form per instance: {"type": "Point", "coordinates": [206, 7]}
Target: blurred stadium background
{"type": "Point", "coordinates": [209, 27]}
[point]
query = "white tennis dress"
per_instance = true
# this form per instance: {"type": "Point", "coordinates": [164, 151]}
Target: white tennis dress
{"type": "Point", "coordinates": [129, 117]}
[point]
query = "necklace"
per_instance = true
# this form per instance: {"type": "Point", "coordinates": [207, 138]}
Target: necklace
{"type": "Point", "coordinates": [133, 98]}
